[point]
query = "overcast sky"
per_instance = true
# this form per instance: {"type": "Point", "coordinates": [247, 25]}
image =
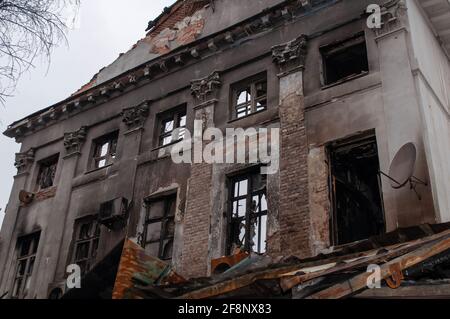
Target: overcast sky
{"type": "Point", "coordinates": [105, 29]}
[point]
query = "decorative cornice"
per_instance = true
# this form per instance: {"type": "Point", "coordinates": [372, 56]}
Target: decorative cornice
{"type": "Point", "coordinates": [189, 54]}
{"type": "Point", "coordinates": [135, 117]}
{"type": "Point", "coordinates": [74, 141]}
{"type": "Point", "coordinates": [393, 15]}
{"type": "Point", "coordinates": [291, 55]}
{"type": "Point", "coordinates": [24, 161]}
{"type": "Point", "coordinates": [201, 89]}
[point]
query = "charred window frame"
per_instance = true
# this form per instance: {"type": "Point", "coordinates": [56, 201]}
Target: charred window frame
{"type": "Point", "coordinates": [159, 228]}
{"type": "Point", "coordinates": [356, 193]}
{"type": "Point", "coordinates": [87, 239]}
{"type": "Point", "coordinates": [172, 126]}
{"type": "Point", "coordinates": [105, 150]}
{"type": "Point", "coordinates": [344, 60]}
{"type": "Point", "coordinates": [47, 173]}
{"type": "Point", "coordinates": [247, 213]}
{"type": "Point", "coordinates": [249, 96]}
{"type": "Point", "coordinates": [27, 247]}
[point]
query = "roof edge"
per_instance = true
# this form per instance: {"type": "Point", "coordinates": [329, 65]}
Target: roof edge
{"type": "Point", "coordinates": [193, 51]}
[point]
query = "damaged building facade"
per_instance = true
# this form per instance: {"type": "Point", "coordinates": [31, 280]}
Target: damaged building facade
{"type": "Point", "coordinates": [96, 168]}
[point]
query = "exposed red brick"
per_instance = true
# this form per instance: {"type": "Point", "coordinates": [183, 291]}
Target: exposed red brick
{"type": "Point", "coordinates": [319, 199]}
{"type": "Point", "coordinates": [45, 194]}
{"type": "Point", "coordinates": [179, 11]}
{"type": "Point", "coordinates": [197, 222]}
{"type": "Point", "coordinates": [190, 33]}
{"type": "Point", "coordinates": [294, 193]}
{"type": "Point", "coordinates": [87, 86]}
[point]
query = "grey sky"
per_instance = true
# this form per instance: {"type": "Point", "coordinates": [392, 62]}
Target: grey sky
{"type": "Point", "coordinates": [106, 28]}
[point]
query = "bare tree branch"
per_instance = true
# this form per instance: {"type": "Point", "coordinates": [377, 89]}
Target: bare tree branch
{"type": "Point", "coordinates": [29, 29]}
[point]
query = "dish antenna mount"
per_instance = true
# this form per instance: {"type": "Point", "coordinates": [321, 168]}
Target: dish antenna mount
{"type": "Point", "coordinates": [401, 172]}
{"type": "Point", "coordinates": [26, 197]}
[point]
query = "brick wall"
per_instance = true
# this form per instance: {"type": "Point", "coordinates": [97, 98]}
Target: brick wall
{"type": "Point", "coordinates": [294, 206]}
{"type": "Point", "coordinates": [179, 12]}
{"type": "Point", "coordinates": [184, 32]}
{"type": "Point", "coordinates": [319, 199]}
{"type": "Point", "coordinates": [197, 222]}
{"type": "Point", "coordinates": [293, 235]}
{"type": "Point", "coordinates": [45, 194]}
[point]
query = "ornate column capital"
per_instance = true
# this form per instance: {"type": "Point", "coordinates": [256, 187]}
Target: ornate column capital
{"type": "Point", "coordinates": [291, 56]}
{"type": "Point", "coordinates": [24, 161]}
{"type": "Point", "coordinates": [73, 141]}
{"type": "Point", "coordinates": [134, 117]}
{"type": "Point", "coordinates": [393, 15]}
{"type": "Point", "coordinates": [203, 88]}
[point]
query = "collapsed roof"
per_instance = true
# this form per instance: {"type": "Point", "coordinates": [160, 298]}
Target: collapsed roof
{"type": "Point", "coordinates": [414, 262]}
{"type": "Point", "coordinates": [177, 25]}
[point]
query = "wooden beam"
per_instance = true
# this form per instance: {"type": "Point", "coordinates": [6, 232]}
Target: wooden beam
{"type": "Point", "coordinates": [430, 291]}
{"type": "Point", "coordinates": [287, 272]}
{"type": "Point", "coordinates": [288, 283]}
{"type": "Point", "coordinates": [409, 260]}
{"type": "Point", "coordinates": [239, 282]}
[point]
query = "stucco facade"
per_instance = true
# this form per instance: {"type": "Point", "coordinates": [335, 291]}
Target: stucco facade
{"type": "Point", "coordinates": [402, 98]}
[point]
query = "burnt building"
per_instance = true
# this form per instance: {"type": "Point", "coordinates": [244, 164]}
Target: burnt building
{"type": "Point", "coordinates": [346, 95]}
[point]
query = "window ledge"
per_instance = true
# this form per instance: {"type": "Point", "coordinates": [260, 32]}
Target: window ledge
{"type": "Point", "coordinates": [346, 79]}
{"type": "Point", "coordinates": [93, 176]}
{"type": "Point", "coordinates": [98, 169]}
{"type": "Point", "coordinates": [166, 146]}
{"type": "Point", "coordinates": [246, 117]}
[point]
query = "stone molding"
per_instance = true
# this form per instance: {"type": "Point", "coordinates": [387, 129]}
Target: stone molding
{"type": "Point", "coordinates": [24, 161]}
{"type": "Point", "coordinates": [203, 88]}
{"type": "Point", "coordinates": [271, 18]}
{"type": "Point", "coordinates": [290, 56]}
{"type": "Point", "coordinates": [73, 141]}
{"type": "Point", "coordinates": [134, 117]}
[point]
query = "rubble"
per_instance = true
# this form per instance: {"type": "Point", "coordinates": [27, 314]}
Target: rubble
{"type": "Point", "coordinates": [412, 258]}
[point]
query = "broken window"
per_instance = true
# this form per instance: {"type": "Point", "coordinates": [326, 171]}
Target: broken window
{"type": "Point", "coordinates": [87, 232]}
{"type": "Point", "coordinates": [345, 59]}
{"type": "Point", "coordinates": [27, 248]}
{"type": "Point", "coordinates": [47, 172]}
{"type": "Point", "coordinates": [249, 96]}
{"type": "Point", "coordinates": [172, 126]}
{"type": "Point", "coordinates": [248, 215]}
{"type": "Point", "coordinates": [159, 229]}
{"type": "Point", "coordinates": [105, 149]}
{"type": "Point", "coordinates": [357, 199]}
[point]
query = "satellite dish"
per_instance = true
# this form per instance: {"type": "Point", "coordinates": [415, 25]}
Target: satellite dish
{"type": "Point", "coordinates": [26, 197]}
{"type": "Point", "coordinates": [403, 166]}
{"type": "Point", "coordinates": [402, 169]}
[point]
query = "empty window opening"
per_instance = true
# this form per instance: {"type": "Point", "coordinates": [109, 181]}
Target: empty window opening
{"type": "Point", "coordinates": [105, 149]}
{"type": "Point", "coordinates": [27, 247]}
{"type": "Point", "coordinates": [249, 96]}
{"type": "Point", "coordinates": [248, 214]}
{"type": "Point", "coordinates": [357, 199]}
{"type": "Point", "coordinates": [344, 60]}
{"type": "Point", "coordinates": [172, 126]}
{"type": "Point", "coordinates": [159, 229]}
{"type": "Point", "coordinates": [47, 172]}
{"type": "Point", "coordinates": [87, 232]}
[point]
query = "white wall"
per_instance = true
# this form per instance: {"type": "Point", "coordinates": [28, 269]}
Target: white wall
{"type": "Point", "coordinates": [433, 85]}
